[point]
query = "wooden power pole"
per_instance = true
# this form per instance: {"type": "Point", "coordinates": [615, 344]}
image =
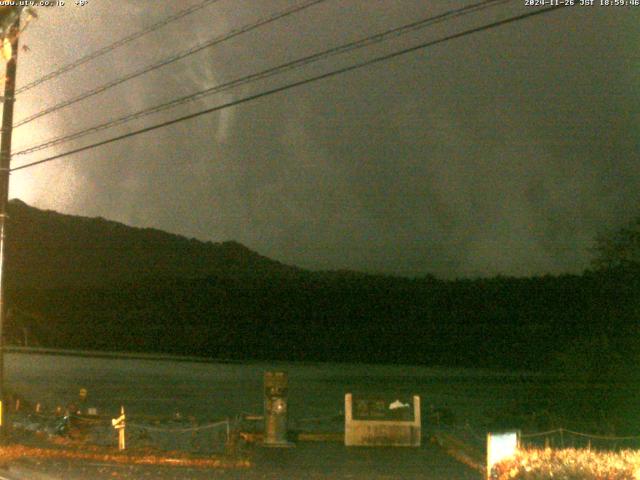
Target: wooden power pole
{"type": "Point", "coordinates": [11, 35]}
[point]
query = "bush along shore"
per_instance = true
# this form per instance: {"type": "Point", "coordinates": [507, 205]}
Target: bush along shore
{"type": "Point", "coordinates": [569, 464]}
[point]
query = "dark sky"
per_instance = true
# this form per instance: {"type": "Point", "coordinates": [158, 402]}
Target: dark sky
{"type": "Point", "coordinates": [504, 152]}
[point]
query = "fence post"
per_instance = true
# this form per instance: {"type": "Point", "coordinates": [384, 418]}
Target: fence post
{"type": "Point", "coordinates": [194, 433]}
{"type": "Point", "coordinates": [121, 439]}
{"type": "Point", "coordinates": [119, 424]}
{"type": "Point", "coordinates": [232, 437]}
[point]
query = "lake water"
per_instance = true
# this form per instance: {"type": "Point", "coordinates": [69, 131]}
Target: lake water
{"type": "Point", "coordinates": [216, 390]}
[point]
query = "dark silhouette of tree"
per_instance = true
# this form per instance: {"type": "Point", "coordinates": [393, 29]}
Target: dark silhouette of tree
{"type": "Point", "coordinates": [619, 248]}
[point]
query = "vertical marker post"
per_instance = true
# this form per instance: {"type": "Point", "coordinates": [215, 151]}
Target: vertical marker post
{"type": "Point", "coordinates": [121, 439]}
{"type": "Point", "coordinates": [119, 424]}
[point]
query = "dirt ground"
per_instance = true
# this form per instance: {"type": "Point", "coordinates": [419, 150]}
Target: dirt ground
{"type": "Point", "coordinates": [317, 461]}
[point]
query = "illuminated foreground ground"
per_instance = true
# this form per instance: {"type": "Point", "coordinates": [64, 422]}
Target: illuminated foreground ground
{"type": "Point", "coordinates": [306, 461]}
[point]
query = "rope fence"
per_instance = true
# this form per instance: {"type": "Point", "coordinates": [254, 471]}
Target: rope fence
{"type": "Point", "coordinates": [186, 434]}
{"type": "Point", "coordinates": [554, 438]}
{"type": "Point", "coordinates": [566, 438]}
{"type": "Point", "coordinates": [199, 428]}
{"type": "Point", "coordinates": [579, 434]}
{"type": "Point", "coordinates": [166, 434]}
{"type": "Point", "coordinates": [208, 438]}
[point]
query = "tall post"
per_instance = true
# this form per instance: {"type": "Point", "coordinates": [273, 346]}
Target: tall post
{"type": "Point", "coordinates": [5, 165]}
{"type": "Point", "coordinates": [275, 409]}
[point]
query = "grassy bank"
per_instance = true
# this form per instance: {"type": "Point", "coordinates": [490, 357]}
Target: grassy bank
{"type": "Point", "coordinates": [570, 464]}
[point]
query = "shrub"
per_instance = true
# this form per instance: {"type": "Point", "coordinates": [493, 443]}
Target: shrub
{"type": "Point", "coordinates": [569, 464]}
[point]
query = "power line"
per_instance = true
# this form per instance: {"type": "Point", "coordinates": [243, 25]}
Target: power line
{"type": "Point", "coordinates": [174, 58]}
{"type": "Point", "coordinates": [364, 42]}
{"type": "Point", "coordinates": [114, 45]}
{"type": "Point", "coordinates": [294, 84]}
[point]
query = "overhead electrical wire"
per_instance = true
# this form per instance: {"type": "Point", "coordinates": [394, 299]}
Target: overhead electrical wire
{"type": "Point", "coordinates": [294, 84]}
{"type": "Point", "coordinates": [364, 42]}
{"type": "Point", "coordinates": [114, 45]}
{"type": "Point", "coordinates": [172, 59]}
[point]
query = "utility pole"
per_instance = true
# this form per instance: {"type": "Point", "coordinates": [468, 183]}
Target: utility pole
{"type": "Point", "coordinates": [11, 34]}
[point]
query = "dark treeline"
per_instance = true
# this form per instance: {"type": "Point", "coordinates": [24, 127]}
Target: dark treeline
{"type": "Point", "coordinates": [531, 323]}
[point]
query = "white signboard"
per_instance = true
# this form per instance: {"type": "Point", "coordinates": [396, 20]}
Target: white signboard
{"type": "Point", "coordinates": [500, 446]}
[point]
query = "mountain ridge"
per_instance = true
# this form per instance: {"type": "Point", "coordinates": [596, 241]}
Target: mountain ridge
{"type": "Point", "coordinates": [48, 249]}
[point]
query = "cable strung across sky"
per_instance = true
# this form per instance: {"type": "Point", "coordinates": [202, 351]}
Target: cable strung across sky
{"type": "Point", "coordinates": [294, 84]}
{"type": "Point", "coordinates": [114, 45]}
{"type": "Point", "coordinates": [172, 59]}
{"type": "Point", "coordinates": [295, 64]}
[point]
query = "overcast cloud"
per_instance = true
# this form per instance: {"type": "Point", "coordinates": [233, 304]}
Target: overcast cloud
{"type": "Point", "coordinates": [504, 152]}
